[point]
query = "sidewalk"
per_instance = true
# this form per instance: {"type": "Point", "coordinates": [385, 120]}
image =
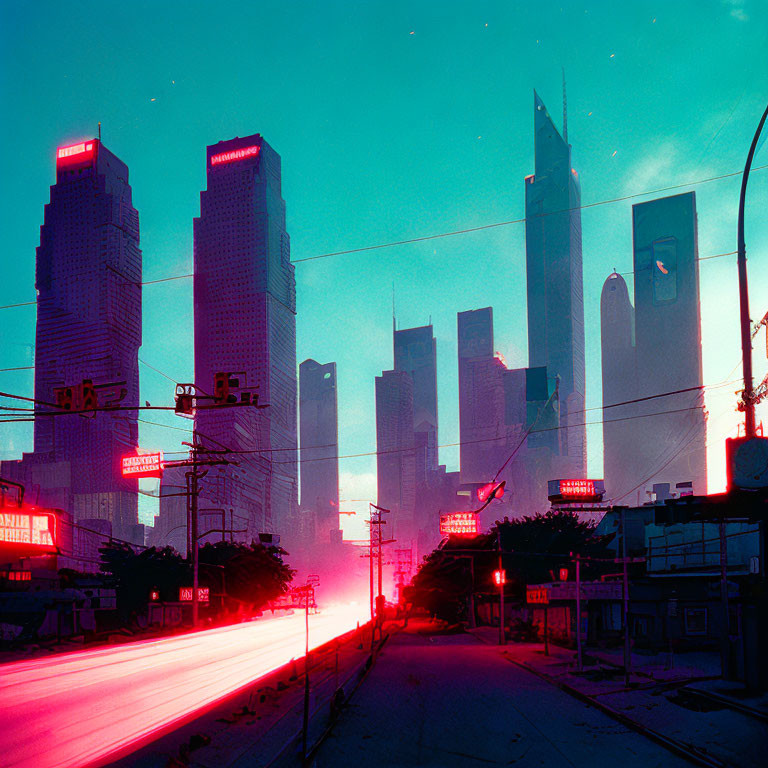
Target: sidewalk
{"type": "Point", "coordinates": [657, 699]}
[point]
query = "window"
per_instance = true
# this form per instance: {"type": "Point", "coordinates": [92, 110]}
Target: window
{"type": "Point", "coordinates": [695, 621]}
{"type": "Point", "coordinates": [664, 270]}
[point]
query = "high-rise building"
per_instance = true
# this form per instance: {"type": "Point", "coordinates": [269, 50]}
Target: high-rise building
{"type": "Point", "coordinates": [480, 414]}
{"type": "Point", "coordinates": [88, 280]}
{"type": "Point", "coordinates": [651, 350]}
{"type": "Point", "coordinates": [318, 419]}
{"type": "Point", "coordinates": [245, 324]}
{"type": "Point", "coordinates": [555, 287]}
{"type": "Point", "coordinates": [416, 354]}
{"type": "Point", "coordinates": [395, 460]}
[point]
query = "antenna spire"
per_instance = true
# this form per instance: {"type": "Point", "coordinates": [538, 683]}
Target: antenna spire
{"type": "Point", "coordinates": [99, 130]}
{"type": "Point", "coordinates": [565, 111]}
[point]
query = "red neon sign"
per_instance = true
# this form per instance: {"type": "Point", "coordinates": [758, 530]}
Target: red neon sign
{"type": "Point", "coordinates": [76, 154]}
{"type": "Point", "coordinates": [499, 578]}
{"type": "Point", "coordinates": [539, 595]}
{"type": "Point", "coordinates": [203, 594]}
{"type": "Point", "coordinates": [460, 523]}
{"type": "Point", "coordinates": [143, 465]}
{"type": "Point", "coordinates": [576, 490]}
{"type": "Point", "coordinates": [236, 154]}
{"type": "Point", "coordinates": [35, 529]}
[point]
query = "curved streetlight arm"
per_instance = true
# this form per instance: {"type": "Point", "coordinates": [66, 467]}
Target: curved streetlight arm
{"type": "Point", "coordinates": [746, 323]}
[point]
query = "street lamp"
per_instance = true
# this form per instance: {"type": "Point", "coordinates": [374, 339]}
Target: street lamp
{"type": "Point", "coordinates": [746, 323]}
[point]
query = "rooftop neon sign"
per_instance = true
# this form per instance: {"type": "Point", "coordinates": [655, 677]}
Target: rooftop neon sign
{"type": "Point", "coordinates": [74, 149]}
{"type": "Point", "coordinates": [461, 523]}
{"type": "Point", "coordinates": [37, 529]}
{"type": "Point", "coordinates": [236, 154]}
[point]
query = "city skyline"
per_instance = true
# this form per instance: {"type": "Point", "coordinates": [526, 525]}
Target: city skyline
{"type": "Point", "coordinates": [612, 162]}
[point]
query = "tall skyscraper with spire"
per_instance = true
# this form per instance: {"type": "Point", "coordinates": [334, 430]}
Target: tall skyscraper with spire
{"type": "Point", "coordinates": [88, 280]}
{"type": "Point", "coordinates": [555, 285]}
{"type": "Point", "coordinates": [245, 324]}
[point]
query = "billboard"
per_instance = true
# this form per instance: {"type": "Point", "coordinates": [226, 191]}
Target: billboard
{"type": "Point", "coordinates": [27, 532]}
{"type": "Point", "coordinates": [576, 490]}
{"type": "Point", "coordinates": [186, 593]}
{"type": "Point", "coordinates": [143, 465]}
{"type": "Point", "coordinates": [459, 523]}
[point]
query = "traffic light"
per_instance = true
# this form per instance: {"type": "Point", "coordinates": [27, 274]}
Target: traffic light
{"type": "Point", "coordinates": [154, 595]}
{"type": "Point", "coordinates": [89, 400]}
{"type": "Point", "coordinates": [563, 574]}
{"type": "Point", "coordinates": [185, 404]}
{"type": "Point", "coordinates": [64, 398]}
{"type": "Point", "coordinates": [222, 383]}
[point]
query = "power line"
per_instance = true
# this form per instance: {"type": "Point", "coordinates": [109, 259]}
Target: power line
{"type": "Point", "coordinates": [479, 228]}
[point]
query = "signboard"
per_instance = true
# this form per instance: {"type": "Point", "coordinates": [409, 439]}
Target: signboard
{"type": "Point", "coordinates": [538, 595]}
{"type": "Point", "coordinates": [143, 465]}
{"type": "Point", "coordinates": [76, 154]}
{"type": "Point", "coordinates": [203, 594]}
{"type": "Point", "coordinates": [577, 490]}
{"type": "Point", "coordinates": [459, 523]}
{"type": "Point", "coordinates": [28, 531]}
{"type": "Point", "coordinates": [747, 462]}
{"type": "Point", "coordinates": [235, 154]}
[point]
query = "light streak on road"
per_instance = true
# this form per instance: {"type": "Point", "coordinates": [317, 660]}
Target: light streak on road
{"type": "Point", "coordinates": [75, 709]}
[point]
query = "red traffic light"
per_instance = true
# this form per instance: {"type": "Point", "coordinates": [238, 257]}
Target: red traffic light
{"type": "Point", "coordinates": [491, 491]}
{"type": "Point", "coordinates": [154, 596]}
{"type": "Point", "coordinates": [563, 574]}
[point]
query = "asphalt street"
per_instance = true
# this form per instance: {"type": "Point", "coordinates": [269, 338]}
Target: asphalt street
{"type": "Point", "coordinates": [450, 700]}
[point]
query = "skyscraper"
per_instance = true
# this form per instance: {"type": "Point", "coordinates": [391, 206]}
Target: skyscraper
{"type": "Point", "coordinates": [88, 280]}
{"type": "Point", "coordinates": [416, 354]}
{"type": "Point", "coordinates": [554, 272]}
{"type": "Point", "coordinates": [480, 413]}
{"type": "Point", "coordinates": [318, 421]}
{"type": "Point", "coordinates": [245, 324]}
{"type": "Point", "coordinates": [395, 460]}
{"type": "Point", "coordinates": [666, 442]}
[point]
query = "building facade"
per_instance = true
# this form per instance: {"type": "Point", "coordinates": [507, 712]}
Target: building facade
{"type": "Point", "coordinates": [555, 284]}
{"type": "Point", "coordinates": [88, 281]}
{"type": "Point", "coordinates": [318, 419]}
{"type": "Point", "coordinates": [651, 349]}
{"type": "Point", "coordinates": [395, 458]}
{"type": "Point", "coordinates": [245, 324]}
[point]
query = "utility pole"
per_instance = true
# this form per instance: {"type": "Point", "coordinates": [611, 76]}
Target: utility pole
{"type": "Point", "coordinates": [502, 579]}
{"type": "Point", "coordinates": [377, 543]}
{"type": "Point", "coordinates": [725, 644]}
{"type": "Point", "coordinates": [625, 596]}
{"type": "Point", "coordinates": [578, 614]}
{"type": "Point", "coordinates": [193, 533]}
{"type": "Point", "coordinates": [305, 720]}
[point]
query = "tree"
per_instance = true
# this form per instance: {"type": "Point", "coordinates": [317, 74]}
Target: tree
{"type": "Point", "coordinates": [136, 574]}
{"type": "Point", "coordinates": [252, 574]}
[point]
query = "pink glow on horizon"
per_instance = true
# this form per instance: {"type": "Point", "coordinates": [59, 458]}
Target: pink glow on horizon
{"type": "Point", "coordinates": [106, 701]}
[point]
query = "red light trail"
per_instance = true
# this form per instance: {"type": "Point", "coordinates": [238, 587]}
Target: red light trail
{"type": "Point", "coordinates": [78, 709]}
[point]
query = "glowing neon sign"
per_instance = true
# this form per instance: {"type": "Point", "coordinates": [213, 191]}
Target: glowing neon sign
{"type": "Point", "coordinates": [37, 529]}
{"type": "Point", "coordinates": [491, 491]}
{"type": "Point", "coordinates": [576, 490]}
{"type": "Point", "coordinates": [203, 594]}
{"type": "Point", "coordinates": [75, 149]}
{"type": "Point", "coordinates": [143, 465]}
{"type": "Point", "coordinates": [236, 154]}
{"type": "Point", "coordinates": [459, 523]}
{"type": "Point", "coordinates": [537, 595]}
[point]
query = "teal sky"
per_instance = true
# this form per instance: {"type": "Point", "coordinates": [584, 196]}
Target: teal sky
{"type": "Point", "coordinates": [394, 120]}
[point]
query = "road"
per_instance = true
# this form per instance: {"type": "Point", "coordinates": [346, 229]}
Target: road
{"type": "Point", "coordinates": [449, 700]}
{"type": "Point", "coordinates": [78, 709]}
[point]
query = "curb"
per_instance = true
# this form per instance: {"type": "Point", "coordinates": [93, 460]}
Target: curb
{"type": "Point", "coordinates": [682, 749]}
{"type": "Point", "coordinates": [737, 706]}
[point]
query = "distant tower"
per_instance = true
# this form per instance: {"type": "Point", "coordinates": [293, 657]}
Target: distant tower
{"type": "Point", "coordinates": [245, 322]}
{"type": "Point", "coordinates": [88, 283]}
{"type": "Point", "coordinates": [395, 461]}
{"type": "Point", "coordinates": [619, 368]}
{"type": "Point", "coordinates": [476, 418]}
{"type": "Point", "coordinates": [319, 446]}
{"type": "Point", "coordinates": [416, 354]}
{"type": "Point", "coordinates": [555, 287]}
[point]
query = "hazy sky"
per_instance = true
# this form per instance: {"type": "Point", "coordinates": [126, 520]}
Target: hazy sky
{"type": "Point", "coordinates": [394, 120]}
